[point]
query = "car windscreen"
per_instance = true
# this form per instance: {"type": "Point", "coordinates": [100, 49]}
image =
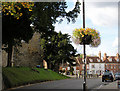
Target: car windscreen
{"type": "Point", "coordinates": [117, 74]}
{"type": "Point", "coordinates": [107, 73]}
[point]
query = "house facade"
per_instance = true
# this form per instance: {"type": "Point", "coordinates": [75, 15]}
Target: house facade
{"type": "Point", "coordinates": [96, 64]}
{"type": "Point", "coordinates": [96, 68]}
{"type": "Point", "coordinates": [112, 63]}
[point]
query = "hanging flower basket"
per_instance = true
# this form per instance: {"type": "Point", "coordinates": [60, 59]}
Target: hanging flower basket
{"type": "Point", "coordinates": [86, 36]}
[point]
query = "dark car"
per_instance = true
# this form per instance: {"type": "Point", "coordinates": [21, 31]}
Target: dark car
{"type": "Point", "coordinates": [108, 76]}
{"type": "Point", "coordinates": [117, 76]}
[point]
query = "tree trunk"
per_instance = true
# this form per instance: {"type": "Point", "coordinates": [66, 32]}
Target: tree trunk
{"type": "Point", "coordinates": [52, 67]}
{"type": "Point", "coordinates": [48, 65]}
{"type": "Point", "coordinates": [10, 47]}
{"type": "Point", "coordinates": [57, 67]}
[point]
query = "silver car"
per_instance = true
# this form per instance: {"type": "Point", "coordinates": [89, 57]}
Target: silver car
{"type": "Point", "coordinates": [117, 76]}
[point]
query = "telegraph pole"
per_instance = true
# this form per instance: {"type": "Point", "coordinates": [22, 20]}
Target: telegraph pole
{"type": "Point", "coordinates": [84, 83]}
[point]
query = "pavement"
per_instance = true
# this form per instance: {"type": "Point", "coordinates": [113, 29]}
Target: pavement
{"type": "Point", "coordinates": [75, 76]}
{"type": "Point", "coordinates": [110, 85]}
{"type": "Point", "coordinates": [105, 85]}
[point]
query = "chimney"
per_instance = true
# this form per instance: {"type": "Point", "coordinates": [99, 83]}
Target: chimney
{"type": "Point", "coordinates": [105, 55]}
{"type": "Point", "coordinates": [99, 54]}
{"type": "Point", "coordinates": [117, 55]}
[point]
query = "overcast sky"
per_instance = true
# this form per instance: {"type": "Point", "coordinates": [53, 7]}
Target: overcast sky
{"type": "Point", "coordinates": [103, 16]}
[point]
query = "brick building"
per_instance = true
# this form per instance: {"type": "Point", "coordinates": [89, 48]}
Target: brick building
{"type": "Point", "coordinates": [96, 64]}
{"type": "Point", "coordinates": [112, 63]}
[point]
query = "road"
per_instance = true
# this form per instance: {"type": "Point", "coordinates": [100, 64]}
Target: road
{"type": "Point", "coordinates": [66, 84]}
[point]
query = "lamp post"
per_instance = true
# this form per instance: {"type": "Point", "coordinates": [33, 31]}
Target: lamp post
{"type": "Point", "coordinates": [84, 83]}
{"type": "Point", "coordinates": [84, 37]}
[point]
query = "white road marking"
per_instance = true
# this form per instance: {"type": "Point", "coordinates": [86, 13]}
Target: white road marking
{"type": "Point", "coordinates": [99, 86]}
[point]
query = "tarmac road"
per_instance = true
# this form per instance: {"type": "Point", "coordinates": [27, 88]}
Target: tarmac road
{"type": "Point", "coordinates": [66, 84]}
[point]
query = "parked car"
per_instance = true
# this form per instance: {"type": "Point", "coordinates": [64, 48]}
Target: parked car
{"type": "Point", "coordinates": [117, 76]}
{"type": "Point", "coordinates": [108, 76]}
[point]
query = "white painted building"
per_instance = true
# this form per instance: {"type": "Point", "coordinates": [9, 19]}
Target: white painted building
{"type": "Point", "coordinates": [96, 68]}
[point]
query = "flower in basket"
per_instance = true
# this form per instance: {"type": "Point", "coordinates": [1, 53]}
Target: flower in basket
{"type": "Point", "coordinates": [86, 36]}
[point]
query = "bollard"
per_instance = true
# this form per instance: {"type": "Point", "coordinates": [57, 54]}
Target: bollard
{"type": "Point", "coordinates": [84, 86]}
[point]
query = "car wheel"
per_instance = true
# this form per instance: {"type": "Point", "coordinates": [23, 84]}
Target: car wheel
{"type": "Point", "coordinates": [105, 80]}
{"type": "Point", "coordinates": [112, 80]}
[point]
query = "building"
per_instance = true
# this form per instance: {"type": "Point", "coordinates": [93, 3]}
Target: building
{"type": "Point", "coordinates": [112, 63]}
{"type": "Point", "coordinates": [96, 64]}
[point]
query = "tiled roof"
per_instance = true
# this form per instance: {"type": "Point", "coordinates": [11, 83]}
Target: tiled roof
{"type": "Point", "coordinates": [89, 60]}
{"type": "Point", "coordinates": [79, 60]}
{"type": "Point", "coordinates": [96, 59]}
{"type": "Point", "coordinates": [113, 59]}
{"type": "Point", "coordinates": [92, 59]}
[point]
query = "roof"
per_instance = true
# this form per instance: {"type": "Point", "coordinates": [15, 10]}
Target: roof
{"type": "Point", "coordinates": [111, 59]}
{"type": "Point", "coordinates": [92, 59]}
{"type": "Point", "coordinates": [89, 59]}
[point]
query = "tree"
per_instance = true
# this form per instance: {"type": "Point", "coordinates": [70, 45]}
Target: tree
{"type": "Point", "coordinates": [46, 14]}
{"type": "Point", "coordinates": [58, 48]}
{"type": "Point", "coordinates": [14, 8]}
{"type": "Point", "coordinates": [43, 22]}
{"type": "Point", "coordinates": [15, 30]}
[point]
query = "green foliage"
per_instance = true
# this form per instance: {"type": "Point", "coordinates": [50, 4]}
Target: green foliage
{"type": "Point", "coordinates": [15, 30]}
{"type": "Point", "coordinates": [19, 76]}
{"type": "Point", "coordinates": [58, 48]}
{"type": "Point", "coordinates": [14, 8]}
{"type": "Point", "coordinates": [46, 14]}
{"type": "Point", "coordinates": [43, 17]}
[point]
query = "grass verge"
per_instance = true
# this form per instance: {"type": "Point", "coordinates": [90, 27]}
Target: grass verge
{"type": "Point", "coordinates": [13, 77]}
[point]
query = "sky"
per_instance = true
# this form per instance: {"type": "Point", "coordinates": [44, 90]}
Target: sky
{"type": "Point", "coordinates": [100, 15]}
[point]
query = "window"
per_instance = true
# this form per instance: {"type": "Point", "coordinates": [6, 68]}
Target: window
{"type": "Point", "coordinates": [93, 71]}
{"type": "Point", "coordinates": [93, 66]}
{"type": "Point", "coordinates": [98, 71]}
{"type": "Point", "coordinates": [82, 66]}
{"type": "Point", "coordinates": [119, 67]}
{"type": "Point", "coordinates": [99, 65]}
{"type": "Point", "coordinates": [91, 60]}
{"type": "Point", "coordinates": [98, 60]}
{"type": "Point", "coordinates": [68, 68]}
{"type": "Point", "coordinates": [110, 59]}
{"type": "Point", "coordinates": [87, 66]}
{"type": "Point", "coordinates": [117, 60]}
{"type": "Point", "coordinates": [114, 67]}
{"type": "Point", "coordinates": [83, 60]}
{"type": "Point", "coordinates": [111, 66]}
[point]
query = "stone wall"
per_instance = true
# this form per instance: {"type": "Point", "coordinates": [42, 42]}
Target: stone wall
{"type": "Point", "coordinates": [29, 54]}
{"type": "Point", "coordinates": [4, 58]}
